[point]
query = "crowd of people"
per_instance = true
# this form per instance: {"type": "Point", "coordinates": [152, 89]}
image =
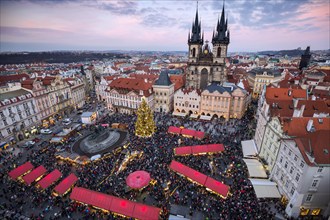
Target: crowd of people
{"type": "Point", "coordinates": [169, 189]}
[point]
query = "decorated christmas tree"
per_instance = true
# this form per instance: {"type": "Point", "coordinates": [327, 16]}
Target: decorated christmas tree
{"type": "Point", "coordinates": [144, 125]}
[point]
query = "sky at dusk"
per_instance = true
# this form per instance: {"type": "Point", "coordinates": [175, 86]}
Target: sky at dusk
{"type": "Point", "coordinates": [37, 25]}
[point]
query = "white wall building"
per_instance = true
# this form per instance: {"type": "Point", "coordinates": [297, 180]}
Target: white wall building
{"type": "Point", "coordinates": [187, 101]}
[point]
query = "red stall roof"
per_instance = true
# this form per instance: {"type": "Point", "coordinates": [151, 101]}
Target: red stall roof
{"type": "Point", "coordinates": [115, 204]}
{"type": "Point", "coordinates": [199, 149]}
{"type": "Point", "coordinates": [188, 132]}
{"type": "Point", "coordinates": [63, 186]}
{"type": "Point", "coordinates": [20, 170]}
{"type": "Point", "coordinates": [34, 174]}
{"type": "Point", "coordinates": [199, 134]}
{"type": "Point", "coordinates": [145, 212]}
{"type": "Point", "coordinates": [182, 150]}
{"type": "Point", "coordinates": [188, 172]}
{"type": "Point", "coordinates": [122, 206]}
{"type": "Point", "coordinates": [173, 129]}
{"type": "Point", "coordinates": [217, 187]}
{"type": "Point", "coordinates": [49, 179]}
{"type": "Point", "coordinates": [214, 148]}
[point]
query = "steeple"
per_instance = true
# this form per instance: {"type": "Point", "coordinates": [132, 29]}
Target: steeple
{"type": "Point", "coordinates": [196, 30]}
{"type": "Point", "coordinates": [221, 34]}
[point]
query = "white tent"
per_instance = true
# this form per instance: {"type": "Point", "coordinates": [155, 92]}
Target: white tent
{"type": "Point", "coordinates": [265, 188]}
{"type": "Point", "coordinates": [179, 114]}
{"type": "Point", "coordinates": [205, 117]}
{"type": "Point", "coordinates": [255, 168]}
{"type": "Point", "coordinates": [249, 148]}
{"type": "Point", "coordinates": [194, 116]}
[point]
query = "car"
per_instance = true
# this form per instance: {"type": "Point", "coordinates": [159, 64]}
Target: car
{"type": "Point", "coordinates": [66, 121]}
{"type": "Point", "coordinates": [45, 131]}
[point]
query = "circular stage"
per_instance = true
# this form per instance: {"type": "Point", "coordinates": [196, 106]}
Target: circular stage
{"type": "Point", "coordinates": [100, 141]}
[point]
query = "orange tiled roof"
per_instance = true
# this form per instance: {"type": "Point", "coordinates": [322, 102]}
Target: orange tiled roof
{"type": "Point", "coordinates": [275, 94]}
{"type": "Point", "coordinates": [315, 144]}
{"type": "Point", "coordinates": [297, 127]}
{"type": "Point", "coordinates": [13, 78]}
{"type": "Point", "coordinates": [132, 84]}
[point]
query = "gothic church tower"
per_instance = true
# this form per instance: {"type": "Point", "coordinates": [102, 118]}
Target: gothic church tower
{"type": "Point", "coordinates": [206, 66]}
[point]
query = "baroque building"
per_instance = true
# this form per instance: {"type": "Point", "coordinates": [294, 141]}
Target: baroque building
{"type": "Point", "coordinates": [205, 65]}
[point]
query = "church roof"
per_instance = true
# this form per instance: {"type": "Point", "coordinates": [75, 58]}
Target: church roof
{"type": "Point", "coordinates": [163, 80]}
{"type": "Point", "coordinates": [227, 87]}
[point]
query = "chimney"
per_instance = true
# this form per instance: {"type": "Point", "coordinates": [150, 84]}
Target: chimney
{"type": "Point", "coordinates": [146, 80]}
{"type": "Point", "coordinates": [289, 92]}
{"type": "Point", "coordinates": [313, 97]}
{"type": "Point", "coordinates": [295, 102]}
{"type": "Point", "coordinates": [302, 111]}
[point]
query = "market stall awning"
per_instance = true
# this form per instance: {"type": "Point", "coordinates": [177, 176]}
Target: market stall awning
{"type": "Point", "coordinates": [188, 132]}
{"type": "Point", "coordinates": [249, 148]}
{"type": "Point", "coordinates": [199, 149]}
{"type": "Point", "coordinates": [56, 139]}
{"type": "Point", "coordinates": [65, 184]}
{"type": "Point", "coordinates": [217, 187]}
{"type": "Point", "coordinates": [34, 174]}
{"type": "Point", "coordinates": [115, 204]}
{"type": "Point", "coordinates": [194, 116]}
{"type": "Point", "coordinates": [255, 168]}
{"type": "Point", "coordinates": [122, 206]}
{"type": "Point", "coordinates": [145, 212]}
{"type": "Point", "coordinates": [173, 129]}
{"type": "Point", "coordinates": [49, 179]}
{"type": "Point", "coordinates": [138, 179]}
{"type": "Point", "coordinates": [182, 150]}
{"type": "Point", "coordinates": [188, 172]}
{"type": "Point", "coordinates": [205, 117]}
{"type": "Point", "coordinates": [199, 134]}
{"type": "Point", "coordinates": [179, 114]}
{"type": "Point", "coordinates": [20, 170]}
{"type": "Point", "coordinates": [265, 188]}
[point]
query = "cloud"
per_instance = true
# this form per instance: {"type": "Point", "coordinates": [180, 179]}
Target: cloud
{"type": "Point", "coordinates": [122, 7]}
{"type": "Point", "coordinates": [158, 20]}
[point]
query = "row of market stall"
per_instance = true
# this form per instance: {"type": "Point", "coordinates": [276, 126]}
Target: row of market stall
{"type": "Point", "coordinates": [199, 149]}
{"type": "Point", "coordinates": [209, 183]}
{"type": "Point", "coordinates": [263, 187]}
{"type": "Point", "coordinates": [186, 132]}
{"type": "Point", "coordinates": [116, 205]}
{"type": "Point", "coordinates": [28, 174]}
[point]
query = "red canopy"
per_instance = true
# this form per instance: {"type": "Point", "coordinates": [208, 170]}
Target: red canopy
{"type": "Point", "coordinates": [19, 171]}
{"type": "Point", "coordinates": [199, 134]}
{"type": "Point", "coordinates": [63, 186]}
{"type": "Point", "coordinates": [34, 174]}
{"type": "Point", "coordinates": [114, 204]}
{"type": "Point", "coordinates": [182, 150]}
{"type": "Point", "coordinates": [217, 187]}
{"type": "Point", "coordinates": [122, 206]}
{"type": "Point", "coordinates": [49, 179]}
{"type": "Point", "coordinates": [138, 179]}
{"type": "Point", "coordinates": [145, 212]}
{"type": "Point", "coordinates": [174, 130]}
{"type": "Point", "coordinates": [188, 172]}
{"type": "Point", "coordinates": [188, 132]}
{"type": "Point", "coordinates": [214, 148]}
{"type": "Point", "coordinates": [199, 149]}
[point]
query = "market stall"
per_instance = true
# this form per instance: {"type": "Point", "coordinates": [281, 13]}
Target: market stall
{"type": "Point", "coordinates": [34, 175]}
{"type": "Point", "coordinates": [21, 170]}
{"type": "Point", "coordinates": [138, 179]}
{"type": "Point", "coordinates": [65, 185]}
{"type": "Point", "coordinates": [255, 168]}
{"type": "Point", "coordinates": [265, 188]}
{"type": "Point", "coordinates": [48, 180]}
{"type": "Point", "coordinates": [249, 148]}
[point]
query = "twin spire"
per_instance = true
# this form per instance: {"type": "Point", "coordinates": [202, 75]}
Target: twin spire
{"type": "Point", "coordinates": [220, 35]}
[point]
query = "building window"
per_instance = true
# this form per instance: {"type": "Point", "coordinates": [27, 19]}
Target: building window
{"type": "Point", "coordinates": [290, 152]}
{"type": "Point", "coordinates": [320, 169]}
{"type": "Point", "coordinates": [8, 131]}
{"type": "Point", "coordinates": [281, 159]}
{"type": "Point", "coordinates": [291, 170]}
{"type": "Point", "coordinates": [302, 164]}
{"type": "Point", "coordinates": [295, 158]}
{"type": "Point", "coordinates": [297, 177]}
{"type": "Point", "coordinates": [315, 183]}
{"type": "Point", "coordinates": [309, 197]}
{"type": "Point", "coordinates": [292, 190]}
{"type": "Point", "coordinates": [286, 165]}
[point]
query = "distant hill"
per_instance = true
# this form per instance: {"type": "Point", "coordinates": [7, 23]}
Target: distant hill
{"type": "Point", "coordinates": [56, 57]}
{"type": "Point", "coordinates": [292, 53]}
